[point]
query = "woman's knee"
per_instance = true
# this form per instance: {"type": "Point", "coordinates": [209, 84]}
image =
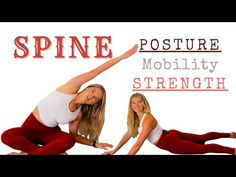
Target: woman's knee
{"type": "Point", "coordinates": [6, 136]}
{"type": "Point", "coordinates": [69, 140]}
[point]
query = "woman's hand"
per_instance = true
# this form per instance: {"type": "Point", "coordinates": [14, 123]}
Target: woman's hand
{"type": "Point", "coordinates": [130, 52]}
{"type": "Point", "coordinates": [109, 152]}
{"type": "Point", "coordinates": [103, 145]}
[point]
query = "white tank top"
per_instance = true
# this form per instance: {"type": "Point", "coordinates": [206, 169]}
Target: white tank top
{"type": "Point", "coordinates": [156, 132]}
{"type": "Point", "coordinates": [54, 109]}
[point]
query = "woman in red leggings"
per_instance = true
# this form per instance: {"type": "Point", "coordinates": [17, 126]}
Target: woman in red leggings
{"type": "Point", "coordinates": [142, 122]}
{"type": "Point", "coordinates": [84, 111]}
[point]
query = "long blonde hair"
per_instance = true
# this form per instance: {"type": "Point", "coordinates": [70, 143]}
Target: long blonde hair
{"type": "Point", "coordinates": [133, 120]}
{"type": "Point", "coordinates": [93, 117]}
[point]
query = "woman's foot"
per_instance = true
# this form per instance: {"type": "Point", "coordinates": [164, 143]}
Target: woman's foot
{"type": "Point", "coordinates": [17, 153]}
{"type": "Point", "coordinates": [13, 153]}
{"type": "Point", "coordinates": [232, 135]}
{"type": "Point", "coordinates": [64, 153]}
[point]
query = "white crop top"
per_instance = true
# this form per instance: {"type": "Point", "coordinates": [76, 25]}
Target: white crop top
{"type": "Point", "coordinates": [54, 109]}
{"type": "Point", "coordinates": [156, 132]}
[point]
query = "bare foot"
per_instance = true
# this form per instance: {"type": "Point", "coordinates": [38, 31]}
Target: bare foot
{"type": "Point", "coordinates": [13, 153]}
{"type": "Point", "coordinates": [64, 153]}
{"type": "Point", "coordinates": [23, 153]}
{"type": "Point", "coordinates": [17, 153]}
{"type": "Point", "coordinates": [232, 135]}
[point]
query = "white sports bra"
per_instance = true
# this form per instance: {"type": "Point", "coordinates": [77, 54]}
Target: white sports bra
{"type": "Point", "coordinates": [54, 109]}
{"type": "Point", "coordinates": [156, 132]}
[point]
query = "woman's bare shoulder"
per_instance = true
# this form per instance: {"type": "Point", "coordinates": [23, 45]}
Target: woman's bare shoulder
{"type": "Point", "coordinates": [150, 119]}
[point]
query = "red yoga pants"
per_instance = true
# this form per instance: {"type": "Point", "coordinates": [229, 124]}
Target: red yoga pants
{"type": "Point", "coordinates": [187, 143]}
{"type": "Point", "coordinates": [35, 138]}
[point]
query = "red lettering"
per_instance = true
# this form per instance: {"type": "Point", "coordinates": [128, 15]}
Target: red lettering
{"type": "Point", "coordinates": [21, 46]}
{"type": "Point", "coordinates": [39, 47]}
{"type": "Point", "coordinates": [100, 46]}
{"type": "Point", "coordinates": [43, 43]}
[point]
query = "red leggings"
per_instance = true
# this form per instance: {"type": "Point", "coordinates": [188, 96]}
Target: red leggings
{"type": "Point", "coordinates": [186, 143]}
{"type": "Point", "coordinates": [37, 139]}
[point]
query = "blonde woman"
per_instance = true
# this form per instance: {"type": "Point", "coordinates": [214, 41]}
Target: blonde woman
{"type": "Point", "coordinates": [84, 111]}
{"type": "Point", "coordinates": [142, 123]}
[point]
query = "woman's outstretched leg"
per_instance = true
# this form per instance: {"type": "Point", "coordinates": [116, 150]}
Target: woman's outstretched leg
{"type": "Point", "coordinates": [174, 142]}
{"type": "Point", "coordinates": [202, 138]}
